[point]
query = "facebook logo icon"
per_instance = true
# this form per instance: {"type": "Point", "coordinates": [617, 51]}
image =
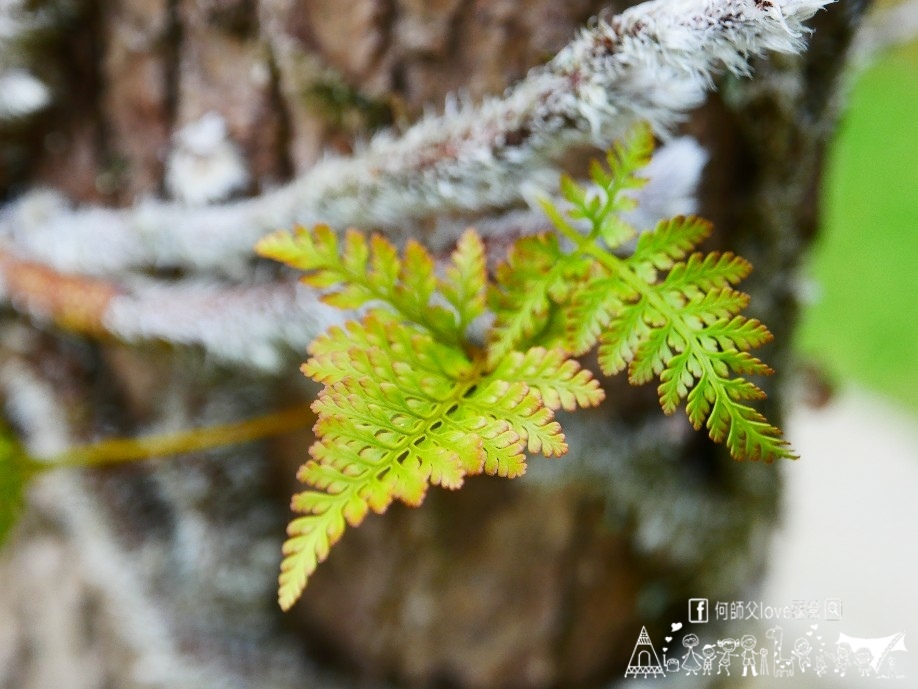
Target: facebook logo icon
{"type": "Point", "coordinates": [698, 610]}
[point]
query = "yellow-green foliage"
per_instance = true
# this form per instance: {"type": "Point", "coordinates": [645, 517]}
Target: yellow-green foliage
{"type": "Point", "coordinates": [410, 399]}
{"type": "Point", "coordinates": [16, 470]}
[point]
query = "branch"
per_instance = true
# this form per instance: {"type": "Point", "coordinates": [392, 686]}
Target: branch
{"type": "Point", "coordinates": [247, 323]}
{"type": "Point", "coordinates": [252, 323]}
{"type": "Point", "coordinates": [35, 405]}
{"type": "Point", "coordinates": [654, 62]}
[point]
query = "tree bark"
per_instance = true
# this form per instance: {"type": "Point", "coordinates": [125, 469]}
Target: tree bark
{"type": "Point", "coordinates": [162, 574]}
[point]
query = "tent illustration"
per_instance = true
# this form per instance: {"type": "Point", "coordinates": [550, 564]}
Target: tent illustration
{"type": "Point", "coordinates": [644, 661]}
{"type": "Point", "coordinates": [880, 648]}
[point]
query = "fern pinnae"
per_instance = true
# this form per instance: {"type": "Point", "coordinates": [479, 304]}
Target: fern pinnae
{"type": "Point", "coordinates": [364, 273]}
{"type": "Point", "coordinates": [559, 380]}
{"type": "Point", "coordinates": [685, 329]}
{"type": "Point", "coordinates": [363, 461]}
{"type": "Point", "coordinates": [408, 401]}
{"type": "Point", "coordinates": [465, 285]}
{"type": "Point", "coordinates": [665, 333]}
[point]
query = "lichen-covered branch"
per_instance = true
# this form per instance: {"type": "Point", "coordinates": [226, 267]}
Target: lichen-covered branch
{"type": "Point", "coordinates": [243, 323]}
{"type": "Point", "coordinates": [654, 62]}
{"type": "Point", "coordinates": [249, 322]}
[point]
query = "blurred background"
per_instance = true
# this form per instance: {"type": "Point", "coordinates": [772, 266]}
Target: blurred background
{"type": "Point", "coordinates": [162, 574]}
{"type": "Point", "coordinates": [849, 524]}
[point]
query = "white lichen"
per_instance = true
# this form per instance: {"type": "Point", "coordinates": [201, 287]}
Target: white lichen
{"type": "Point", "coordinates": [248, 325]}
{"type": "Point", "coordinates": [21, 94]}
{"type": "Point", "coordinates": [654, 62]}
{"type": "Point", "coordinates": [204, 165]}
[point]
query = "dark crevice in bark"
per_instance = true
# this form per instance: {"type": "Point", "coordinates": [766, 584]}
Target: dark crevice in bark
{"type": "Point", "coordinates": [172, 61]}
{"type": "Point", "coordinates": [106, 180]}
{"type": "Point", "coordinates": [284, 127]}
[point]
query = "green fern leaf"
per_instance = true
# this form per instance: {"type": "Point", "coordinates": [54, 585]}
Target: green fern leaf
{"type": "Point", "coordinates": [403, 408]}
{"type": "Point", "coordinates": [16, 471]}
{"type": "Point", "coordinates": [367, 272]}
{"type": "Point", "coordinates": [411, 412]}
{"type": "Point", "coordinates": [625, 333]}
{"type": "Point", "coordinates": [559, 380]}
{"type": "Point", "coordinates": [701, 273]}
{"type": "Point", "coordinates": [522, 408]}
{"type": "Point", "coordinates": [521, 297]}
{"type": "Point", "coordinates": [671, 241]}
{"type": "Point", "coordinates": [408, 401]}
{"type": "Point", "coordinates": [625, 162]}
{"type": "Point", "coordinates": [465, 286]}
{"type": "Point", "coordinates": [593, 305]}
{"type": "Point", "coordinates": [665, 312]}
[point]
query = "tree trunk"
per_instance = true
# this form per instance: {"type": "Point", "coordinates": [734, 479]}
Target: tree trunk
{"type": "Point", "coordinates": [162, 574]}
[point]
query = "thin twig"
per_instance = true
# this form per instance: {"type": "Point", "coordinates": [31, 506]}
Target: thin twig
{"type": "Point", "coordinates": [120, 450]}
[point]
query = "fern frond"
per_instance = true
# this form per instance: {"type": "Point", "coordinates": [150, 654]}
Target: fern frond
{"type": "Point", "coordinates": [402, 408]}
{"type": "Point", "coordinates": [625, 162]}
{"type": "Point", "coordinates": [559, 380]}
{"type": "Point", "coordinates": [535, 275]}
{"type": "Point", "coordinates": [520, 299]}
{"type": "Point", "coordinates": [465, 286]}
{"type": "Point", "coordinates": [408, 401]}
{"type": "Point", "coordinates": [687, 331]}
{"type": "Point", "coordinates": [592, 307]}
{"type": "Point", "coordinates": [663, 311]}
{"type": "Point", "coordinates": [684, 328]}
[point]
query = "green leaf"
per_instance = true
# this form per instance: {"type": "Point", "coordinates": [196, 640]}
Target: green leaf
{"type": "Point", "coordinates": [16, 471]}
{"type": "Point", "coordinates": [401, 410]}
{"type": "Point", "coordinates": [669, 242]}
{"type": "Point", "coordinates": [626, 332]}
{"type": "Point", "coordinates": [385, 264]}
{"type": "Point", "coordinates": [365, 273]}
{"type": "Point", "coordinates": [701, 273]}
{"type": "Point", "coordinates": [521, 407]}
{"type": "Point", "coordinates": [409, 402]}
{"type": "Point", "coordinates": [521, 297]}
{"type": "Point", "coordinates": [465, 286]}
{"type": "Point", "coordinates": [592, 307]}
{"type": "Point", "coordinates": [559, 380]}
{"type": "Point", "coordinates": [307, 250]}
{"type": "Point", "coordinates": [664, 311]}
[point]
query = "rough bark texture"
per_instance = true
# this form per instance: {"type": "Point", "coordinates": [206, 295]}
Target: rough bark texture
{"type": "Point", "coordinates": [162, 575]}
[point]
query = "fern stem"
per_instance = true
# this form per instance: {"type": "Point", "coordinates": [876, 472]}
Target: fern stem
{"type": "Point", "coordinates": [563, 226]}
{"type": "Point", "coordinates": [120, 450]}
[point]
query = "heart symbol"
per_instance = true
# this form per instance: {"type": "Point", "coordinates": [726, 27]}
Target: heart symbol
{"type": "Point", "coordinates": [809, 633]}
{"type": "Point", "coordinates": [819, 637]}
{"type": "Point", "coordinates": [676, 626]}
{"type": "Point", "coordinates": [668, 639]}
{"type": "Point", "coordinates": [665, 649]}
{"type": "Point", "coordinates": [814, 626]}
